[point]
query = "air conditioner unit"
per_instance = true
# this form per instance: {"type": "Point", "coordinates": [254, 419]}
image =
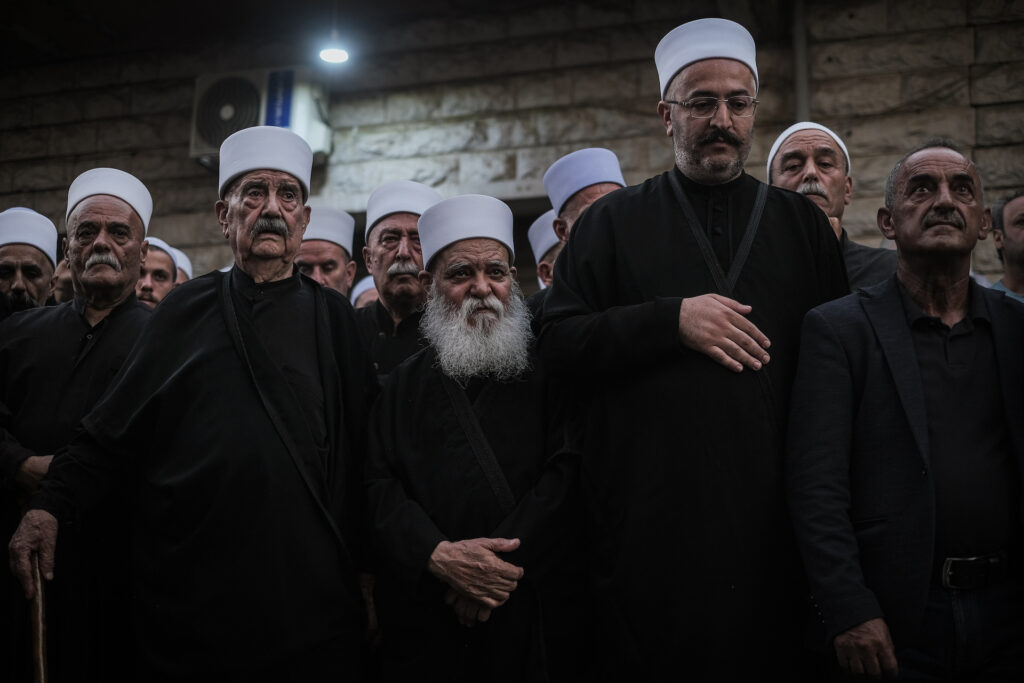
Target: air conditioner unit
{"type": "Point", "coordinates": [228, 102]}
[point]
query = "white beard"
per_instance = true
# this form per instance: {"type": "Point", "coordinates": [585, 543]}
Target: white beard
{"type": "Point", "coordinates": [497, 346]}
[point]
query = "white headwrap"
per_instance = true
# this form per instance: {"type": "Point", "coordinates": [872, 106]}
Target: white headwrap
{"type": "Point", "coordinates": [804, 125]}
{"type": "Point", "coordinates": [331, 225]}
{"type": "Point", "coordinates": [398, 196]}
{"type": "Point", "coordinates": [265, 147]}
{"type": "Point", "coordinates": [465, 217]}
{"type": "Point", "coordinates": [580, 169]}
{"type": "Point", "coordinates": [703, 39]}
{"type": "Point", "coordinates": [19, 225]}
{"type": "Point", "coordinates": [115, 183]}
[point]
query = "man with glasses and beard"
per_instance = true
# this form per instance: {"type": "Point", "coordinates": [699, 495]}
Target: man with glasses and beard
{"type": "Point", "coordinates": [55, 364]}
{"type": "Point", "coordinates": [390, 326]}
{"type": "Point", "coordinates": [28, 253]}
{"type": "Point", "coordinates": [810, 159]}
{"type": "Point", "coordinates": [675, 309]}
{"type": "Point", "coordinates": [470, 472]}
{"type": "Point", "coordinates": [236, 425]}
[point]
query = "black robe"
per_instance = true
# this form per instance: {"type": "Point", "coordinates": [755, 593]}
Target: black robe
{"type": "Point", "coordinates": [425, 485]}
{"type": "Point", "coordinates": [388, 346]}
{"type": "Point", "coordinates": [866, 266]}
{"type": "Point", "coordinates": [54, 367]}
{"type": "Point", "coordinates": [245, 529]}
{"type": "Point", "coordinates": [693, 569]}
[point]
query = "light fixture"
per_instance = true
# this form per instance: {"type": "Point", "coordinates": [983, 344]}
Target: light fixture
{"type": "Point", "coordinates": [334, 53]}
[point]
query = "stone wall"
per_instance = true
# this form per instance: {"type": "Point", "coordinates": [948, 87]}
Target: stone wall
{"type": "Point", "coordinates": [485, 103]}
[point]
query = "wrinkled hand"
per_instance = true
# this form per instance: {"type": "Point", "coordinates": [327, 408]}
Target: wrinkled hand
{"type": "Point", "coordinates": [32, 470]}
{"type": "Point", "coordinates": [867, 649]}
{"type": "Point", "coordinates": [36, 535]}
{"type": "Point", "coordinates": [715, 326]}
{"type": "Point", "coordinates": [468, 612]}
{"type": "Point", "coordinates": [474, 571]}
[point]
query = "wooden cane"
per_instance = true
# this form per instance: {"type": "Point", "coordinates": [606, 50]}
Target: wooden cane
{"type": "Point", "coordinates": [38, 624]}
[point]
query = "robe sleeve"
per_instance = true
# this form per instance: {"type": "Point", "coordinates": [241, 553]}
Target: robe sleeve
{"type": "Point", "coordinates": [12, 454]}
{"type": "Point", "coordinates": [403, 535]}
{"type": "Point", "coordinates": [585, 330]}
{"type": "Point", "coordinates": [818, 464]}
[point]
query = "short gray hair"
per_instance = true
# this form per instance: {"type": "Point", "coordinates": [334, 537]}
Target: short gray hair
{"type": "Point", "coordinates": [931, 143]}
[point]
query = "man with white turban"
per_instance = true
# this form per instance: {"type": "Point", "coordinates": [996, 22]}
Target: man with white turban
{"type": "Point", "coordinates": [662, 307]}
{"type": "Point", "coordinates": [470, 475]}
{"type": "Point", "coordinates": [236, 424]}
{"type": "Point", "coordinates": [28, 254]}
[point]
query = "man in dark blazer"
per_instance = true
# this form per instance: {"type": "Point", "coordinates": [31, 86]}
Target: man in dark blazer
{"type": "Point", "coordinates": [906, 447]}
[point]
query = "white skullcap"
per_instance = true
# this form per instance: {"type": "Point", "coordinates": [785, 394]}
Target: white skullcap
{"type": "Point", "coordinates": [804, 125]}
{"type": "Point", "coordinates": [19, 225]}
{"type": "Point", "coordinates": [580, 169]}
{"type": "Point", "coordinates": [465, 217]}
{"type": "Point", "coordinates": [542, 234]}
{"type": "Point", "coordinates": [265, 147]}
{"type": "Point", "coordinates": [332, 225]}
{"type": "Point", "coordinates": [167, 249]}
{"type": "Point", "coordinates": [115, 183]}
{"type": "Point", "coordinates": [703, 39]}
{"type": "Point", "coordinates": [398, 196]}
{"type": "Point", "coordinates": [183, 262]}
{"type": "Point", "coordinates": [363, 285]}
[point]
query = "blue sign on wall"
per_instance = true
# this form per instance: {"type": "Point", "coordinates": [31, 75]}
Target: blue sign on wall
{"type": "Point", "coordinates": [280, 85]}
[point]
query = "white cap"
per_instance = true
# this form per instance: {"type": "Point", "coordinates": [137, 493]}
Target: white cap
{"type": "Point", "coordinates": [19, 225]}
{"type": "Point", "coordinates": [115, 183]}
{"type": "Point", "coordinates": [398, 196]}
{"type": "Point", "coordinates": [580, 169]}
{"type": "Point", "coordinates": [542, 234]}
{"type": "Point", "coordinates": [797, 127]}
{"type": "Point", "coordinates": [703, 39]}
{"type": "Point", "coordinates": [183, 262]}
{"type": "Point", "coordinates": [265, 147]}
{"type": "Point", "coordinates": [167, 249]}
{"type": "Point", "coordinates": [332, 225]}
{"type": "Point", "coordinates": [363, 285]}
{"type": "Point", "coordinates": [465, 217]}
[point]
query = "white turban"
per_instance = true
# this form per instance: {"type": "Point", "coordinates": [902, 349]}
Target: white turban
{"type": "Point", "coordinates": [467, 216]}
{"type": "Point", "coordinates": [19, 225]}
{"type": "Point", "coordinates": [580, 169]}
{"type": "Point", "coordinates": [331, 225]}
{"type": "Point", "coordinates": [804, 125]}
{"type": "Point", "coordinates": [167, 249]}
{"type": "Point", "coordinates": [703, 39]}
{"type": "Point", "coordinates": [398, 196]}
{"type": "Point", "coordinates": [115, 183]}
{"type": "Point", "coordinates": [265, 148]}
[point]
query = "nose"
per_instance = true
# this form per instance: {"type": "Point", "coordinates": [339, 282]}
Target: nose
{"type": "Point", "coordinates": [319, 276]}
{"type": "Point", "coordinates": [810, 170]}
{"type": "Point", "coordinates": [146, 283]}
{"type": "Point", "coordinates": [272, 208]}
{"type": "Point", "coordinates": [18, 285]}
{"type": "Point", "coordinates": [404, 250]}
{"type": "Point", "coordinates": [480, 287]}
{"type": "Point", "coordinates": [943, 196]}
{"type": "Point", "coordinates": [721, 118]}
{"type": "Point", "coordinates": [102, 240]}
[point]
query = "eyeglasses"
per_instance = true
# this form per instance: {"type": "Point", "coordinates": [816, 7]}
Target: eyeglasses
{"type": "Point", "coordinates": [705, 107]}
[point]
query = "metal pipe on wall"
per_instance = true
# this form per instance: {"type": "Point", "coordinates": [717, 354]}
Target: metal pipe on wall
{"type": "Point", "coordinates": [802, 103]}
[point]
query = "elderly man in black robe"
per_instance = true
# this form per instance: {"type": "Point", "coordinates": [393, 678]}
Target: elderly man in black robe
{"type": "Point", "coordinates": [235, 424]}
{"type": "Point", "coordinates": [470, 472]}
{"type": "Point", "coordinates": [28, 253]}
{"type": "Point", "coordinates": [55, 363]}
{"type": "Point", "coordinates": [676, 308]}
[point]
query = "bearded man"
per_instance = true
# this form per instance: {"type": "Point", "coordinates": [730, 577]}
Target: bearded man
{"type": "Point", "coordinates": [662, 307]}
{"type": "Point", "coordinates": [28, 252]}
{"type": "Point", "coordinates": [236, 425]}
{"type": "Point", "coordinates": [470, 473]}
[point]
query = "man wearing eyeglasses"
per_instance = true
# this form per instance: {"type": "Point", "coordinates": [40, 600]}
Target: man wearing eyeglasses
{"type": "Point", "coordinates": [676, 309]}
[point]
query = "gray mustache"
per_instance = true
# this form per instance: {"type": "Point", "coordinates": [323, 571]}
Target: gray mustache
{"type": "Point", "coordinates": [813, 187]}
{"type": "Point", "coordinates": [403, 268]}
{"type": "Point", "coordinates": [104, 259]}
{"type": "Point", "coordinates": [936, 216]}
{"type": "Point", "coordinates": [263, 225]}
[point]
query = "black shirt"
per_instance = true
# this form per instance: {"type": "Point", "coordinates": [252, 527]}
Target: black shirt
{"type": "Point", "coordinates": [969, 447]}
{"type": "Point", "coordinates": [387, 345]}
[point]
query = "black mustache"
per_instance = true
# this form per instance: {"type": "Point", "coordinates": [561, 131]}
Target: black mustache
{"type": "Point", "coordinates": [719, 135]}
{"type": "Point", "coordinates": [936, 216]}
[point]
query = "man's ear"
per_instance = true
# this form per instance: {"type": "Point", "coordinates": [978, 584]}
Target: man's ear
{"type": "Point", "coordinates": [665, 114]}
{"type": "Point", "coordinates": [884, 219]}
{"type": "Point", "coordinates": [849, 190]}
{"type": "Point", "coordinates": [544, 272]}
{"type": "Point", "coordinates": [986, 224]}
{"type": "Point", "coordinates": [67, 256]}
{"type": "Point", "coordinates": [350, 273]}
{"type": "Point", "coordinates": [426, 279]}
{"type": "Point", "coordinates": [561, 228]}
{"type": "Point", "coordinates": [221, 207]}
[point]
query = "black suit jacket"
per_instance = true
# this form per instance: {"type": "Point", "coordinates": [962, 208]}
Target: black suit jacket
{"type": "Point", "coordinates": [860, 490]}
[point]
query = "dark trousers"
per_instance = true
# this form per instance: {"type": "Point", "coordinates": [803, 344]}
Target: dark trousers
{"type": "Point", "coordinates": [969, 635]}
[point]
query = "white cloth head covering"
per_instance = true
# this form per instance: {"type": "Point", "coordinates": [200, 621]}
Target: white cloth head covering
{"type": "Point", "coordinates": [465, 217]}
{"type": "Point", "coordinates": [19, 225]}
{"type": "Point", "coordinates": [703, 39]}
{"type": "Point", "coordinates": [804, 125]}
{"type": "Point", "coordinates": [398, 196]}
{"type": "Point", "coordinates": [542, 234]}
{"type": "Point", "coordinates": [167, 249]}
{"type": "Point", "coordinates": [115, 183]}
{"type": "Point", "coordinates": [332, 225]}
{"type": "Point", "coordinates": [580, 169]}
{"type": "Point", "coordinates": [183, 262]}
{"type": "Point", "coordinates": [265, 147]}
{"type": "Point", "coordinates": [363, 285]}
